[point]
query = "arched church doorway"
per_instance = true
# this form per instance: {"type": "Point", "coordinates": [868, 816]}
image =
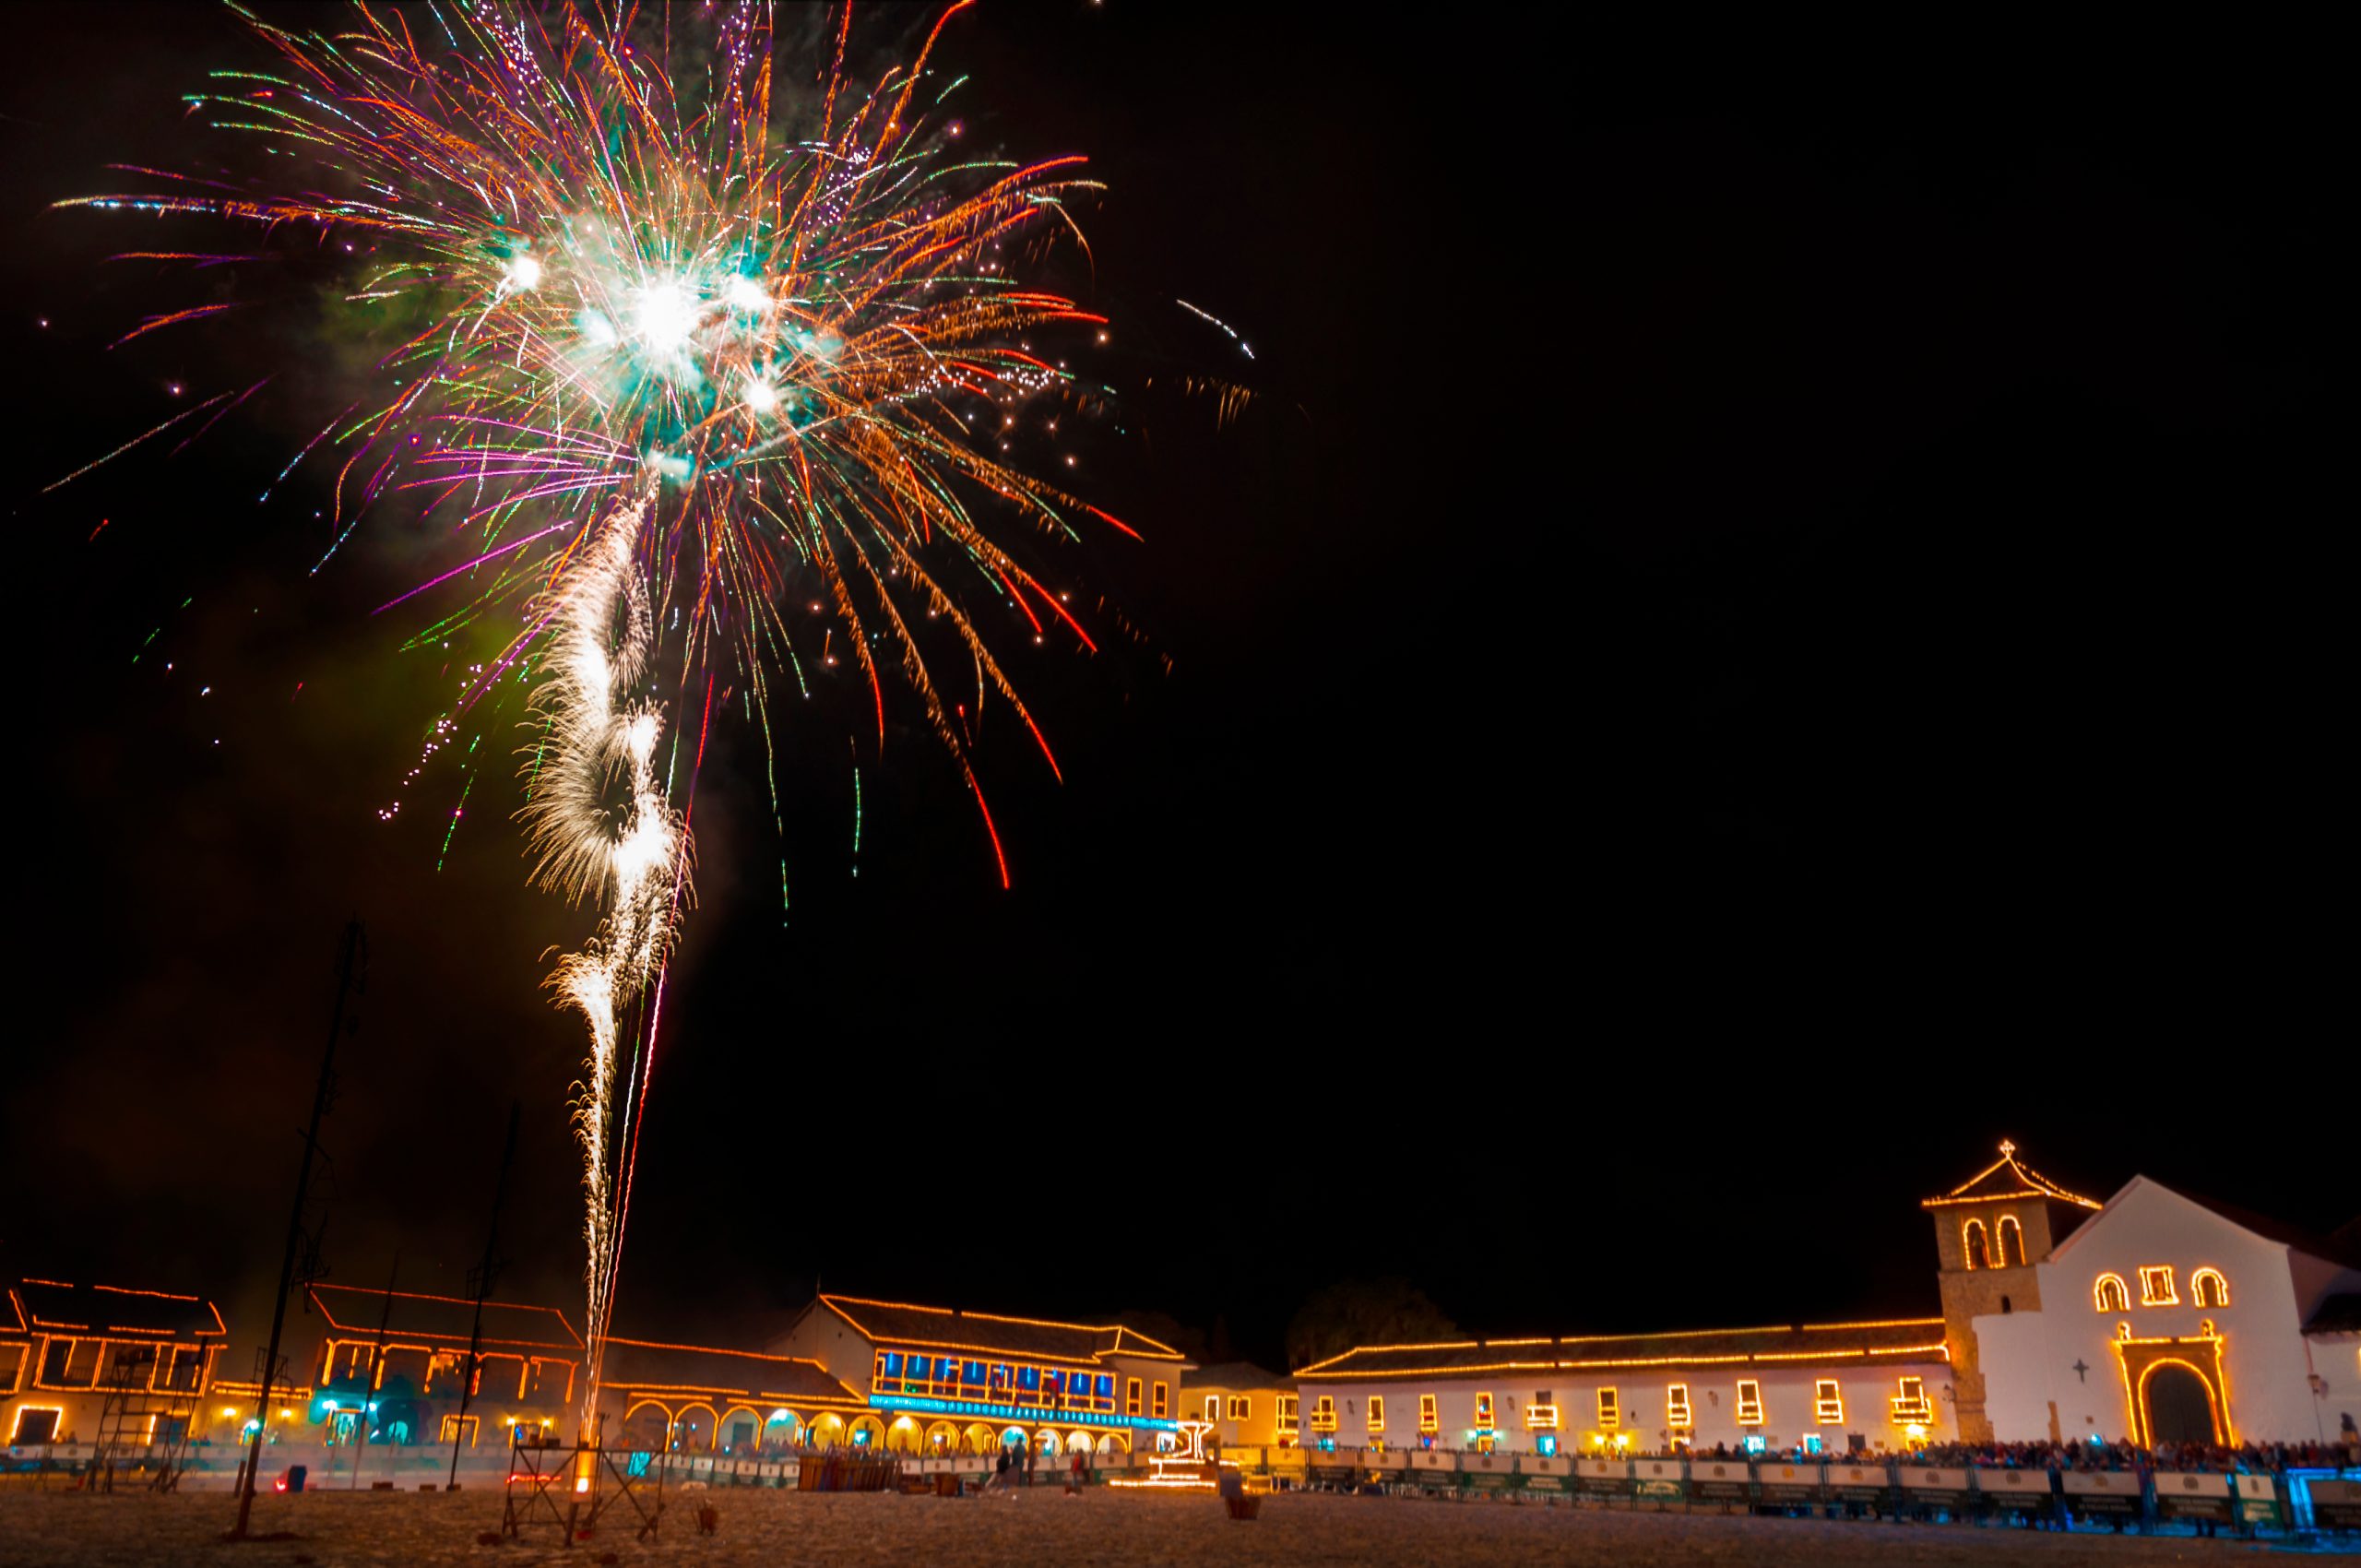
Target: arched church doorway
{"type": "Point", "coordinates": [2178, 1406]}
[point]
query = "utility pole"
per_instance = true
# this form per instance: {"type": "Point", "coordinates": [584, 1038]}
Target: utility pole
{"type": "Point", "coordinates": [376, 1361]}
{"type": "Point", "coordinates": [349, 972]}
{"type": "Point", "coordinates": [484, 1272]}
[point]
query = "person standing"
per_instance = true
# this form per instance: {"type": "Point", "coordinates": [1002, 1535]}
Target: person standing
{"type": "Point", "coordinates": [1077, 1474]}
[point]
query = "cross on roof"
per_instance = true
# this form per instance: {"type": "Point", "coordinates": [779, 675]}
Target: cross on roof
{"type": "Point", "coordinates": [2006, 1147]}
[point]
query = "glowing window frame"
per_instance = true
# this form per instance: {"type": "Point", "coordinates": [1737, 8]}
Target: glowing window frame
{"type": "Point", "coordinates": [1323, 1413]}
{"type": "Point", "coordinates": [1676, 1413]}
{"type": "Point", "coordinates": [1970, 1232]}
{"type": "Point", "coordinates": [2221, 1288]}
{"type": "Point", "coordinates": [1213, 1407]}
{"type": "Point", "coordinates": [1911, 1405]}
{"type": "Point", "coordinates": [1242, 1408]}
{"type": "Point", "coordinates": [2101, 1300]}
{"type": "Point", "coordinates": [1290, 1406]}
{"type": "Point", "coordinates": [1131, 1397]}
{"type": "Point", "coordinates": [2001, 1231]}
{"type": "Point", "coordinates": [1827, 1402]}
{"type": "Point", "coordinates": [1749, 1402]}
{"type": "Point", "coordinates": [1610, 1410]}
{"type": "Point", "coordinates": [1427, 1422]}
{"type": "Point", "coordinates": [1484, 1414]}
{"type": "Point", "coordinates": [2156, 1287]}
{"type": "Point", "coordinates": [1376, 1419]}
{"type": "Point", "coordinates": [1161, 1404]}
{"type": "Point", "coordinates": [17, 1426]}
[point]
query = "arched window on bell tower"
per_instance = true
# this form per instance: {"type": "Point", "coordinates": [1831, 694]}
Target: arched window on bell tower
{"type": "Point", "coordinates": [1976, 1243]}
{"type": "Point", "coordinates": [2012, 1238]}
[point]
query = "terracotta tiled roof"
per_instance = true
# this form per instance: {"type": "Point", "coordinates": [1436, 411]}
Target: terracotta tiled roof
{"type": "Point", "coordinates": [1891, 1339]}
{"type": "Point", "coordinates": [45, 1304]}
{"type": "Point", "coordinates": [2339, 1314]}
{"type": "Point", "coordinates": [898, 1322]}
{"type": "Point", "coordinates": [1237, 1374]}
{"type": "Point", "coordinates": [508, 1326]}
{"type": "Point", "coordinates": [2005, 1178]}
{"type": "Point", "coordinates": [640, 1366]}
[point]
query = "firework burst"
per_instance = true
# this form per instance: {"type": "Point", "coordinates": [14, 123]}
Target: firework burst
{"type": "Point", "coordinates": [682, 349]}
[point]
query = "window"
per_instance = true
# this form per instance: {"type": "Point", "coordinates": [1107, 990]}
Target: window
{"type": "Point", "coordinates": [1750, 1402]}
{"type": "Point", "coordinates": [1675, 1406]}
{"type": "Point", "coordinates": [1213, 1407]}
{"type": "Point", "coordinates": [1427, 1422]}
{"type": "Point", "coordinates": [1376, 1414]}
{"type": "Point", "coordinates": [1541, 1414]}
{"type": "Point", "coordinates": [1287, 1408]}
{"type": "Point", "coordinates": [1976, 1244]}
{"type": "Point", "coordinates": [12, 1367]}
{"type": "Point", "coordinates": [1911, 1405]}
{"type": "Point", "coordinates": [2156, 1286]}
{"type": "Point", "coordinates": [1163, 1399]}
{"type": "Point", "coordinates": [1610, 1415]}
{"type": "Point", "coordinates": [2210, 1288]}
{"type": "Point", "coordinates": [460, 1429]}
{"type": "Point", "coordinates": [1323, 1414]}
{"type": "Point", "coordinates": [1483, 1412]}
{"type": "Point", "coordinates": [2110, 1294]}
{"type": "Point", "coordinates": [35, 1425]}
{"type": "Point", "coordinates": [1828, 1403]}
{"type": "Point", "coordinates": [1131, 1397]}
{"type": "Point", "coordinates": [2012, 1236]}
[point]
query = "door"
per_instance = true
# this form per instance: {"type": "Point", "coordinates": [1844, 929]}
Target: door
{"type": "Point", "coordinates": [2180, 1407]}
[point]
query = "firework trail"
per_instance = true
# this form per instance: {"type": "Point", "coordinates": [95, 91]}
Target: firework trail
{"type": "Point", "coordinates": [679, 360]}
{"type": "Point", "coordinates": [634, 869]}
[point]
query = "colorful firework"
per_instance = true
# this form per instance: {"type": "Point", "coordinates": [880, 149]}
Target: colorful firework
{"type": "Point", "coordinates": [685, 351]}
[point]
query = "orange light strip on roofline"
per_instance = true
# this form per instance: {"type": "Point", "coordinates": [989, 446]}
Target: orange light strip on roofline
{"type": "Point", "coordinates": [1162, 1350]}
{"type": "Point", "coordinates": [717, 1351]}
{"type": "Point", "coordinates": [1372, 1375]}
{"type": "Point", "coordinates": [454, 1301]}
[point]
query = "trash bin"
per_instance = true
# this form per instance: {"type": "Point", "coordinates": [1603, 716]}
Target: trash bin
{"type": "Point", "coordinates": [294, 1479]}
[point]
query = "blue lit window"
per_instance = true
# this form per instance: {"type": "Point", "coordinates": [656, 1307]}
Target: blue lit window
{"type": "Point", "coordinates": [1811, 1442]}
{"type": "Point", "coordinates": [973, 1371]}
{"type": "Point", "coordinates": [1327, 1445]}
{"type": "Point", "coordinates": [893, 1363]}
{"type": "Point", "coordinates": [1752, 1443]}
{"type": "Point", "coordinates": [918, 1367]}
{"type": "Point", "coordinates": [1547, 1443]}
{"type": "Point", "coordinates": [1105, 1389]}
{"type": "Point", "coordinates": [1028, 1378]}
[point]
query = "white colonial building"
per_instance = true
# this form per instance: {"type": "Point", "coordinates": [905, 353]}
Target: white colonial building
{"type": "Point", "coordinates": [2163, 1317]}
{"type": "Point", "coordinates": [1822, 1388]}
{"type": "Point", "coordinates": [2152, 1317]}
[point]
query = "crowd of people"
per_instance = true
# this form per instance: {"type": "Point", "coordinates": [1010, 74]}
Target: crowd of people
{"type": "Point", "coordinates": [2258, 1459]}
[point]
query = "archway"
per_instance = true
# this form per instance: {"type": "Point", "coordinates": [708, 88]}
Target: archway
{"type": "Point", "coordinates": [1011, 1436]}
{"type": "Point", "coordinates": [827, 1430]}
{"type": "Point", "coordinates": [1077, 1442]}
{"type": "Point", "coordinates": [782, 1431]}
{"type": "Point", "coordinates": [978, 1439]}
{"type": "Point", "coordinates": [902, 1437]}
{"type": "Point", "coordinates": [647, 1428]}
{"type": "Point", "coordinates": [741, 1429]}
{"type": "Point", "coordinates": [1114, 1443]}
{"type": "Point", "coordinates": [866, 1432]}
{"type": "Point", "coordinates": [942, 1438]}
{"type": "Point", "coordinates": [1045, 1441]}
{"type": "Point", "coordinates": [692, 1430]}
{"type": "Point", "coordinates": [2176, 1406]}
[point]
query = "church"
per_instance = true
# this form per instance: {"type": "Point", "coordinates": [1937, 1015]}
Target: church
{"type": "Point", "coordinates": [2155, 1316]}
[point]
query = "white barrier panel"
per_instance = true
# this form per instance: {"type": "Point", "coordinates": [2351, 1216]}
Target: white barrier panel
{"type": "Point", "coordinates": [1856, 1474]}
{"type": "Point", "coordinates": [1544, 1465]}
{"type": "Point", "coordinates": [768, 1472]}
{"type": "Point", "coordinates": [2192, 1483]}
{"type": "Point", "coordinates": [1788, 1475]}
{"type": "Point", "coordinates": [1940, 1478]}
{"type": "Point", "coordinates": [1656, 1470]}
{"type": "Point", "coordinates": [1497, 1462]}
{"type": "Point", "coordinates": [2014, 1483]}
{"type": "Point", "coordinates": [1430, 1459]}
{"type": "Point", "coordinates": [2256, 1489]}
{"type": "Point", "coordinates": [2100, 1483]}
{"type": "Point", "coordinates": [1728, 1472]}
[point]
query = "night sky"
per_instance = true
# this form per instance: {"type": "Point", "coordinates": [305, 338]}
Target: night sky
{"type": "Point", "coordinates": [1769, 626]}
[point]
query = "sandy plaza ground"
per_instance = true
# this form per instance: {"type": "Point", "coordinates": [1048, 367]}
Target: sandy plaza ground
{"type": "Point", "coordinates": [1045, 1527]}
